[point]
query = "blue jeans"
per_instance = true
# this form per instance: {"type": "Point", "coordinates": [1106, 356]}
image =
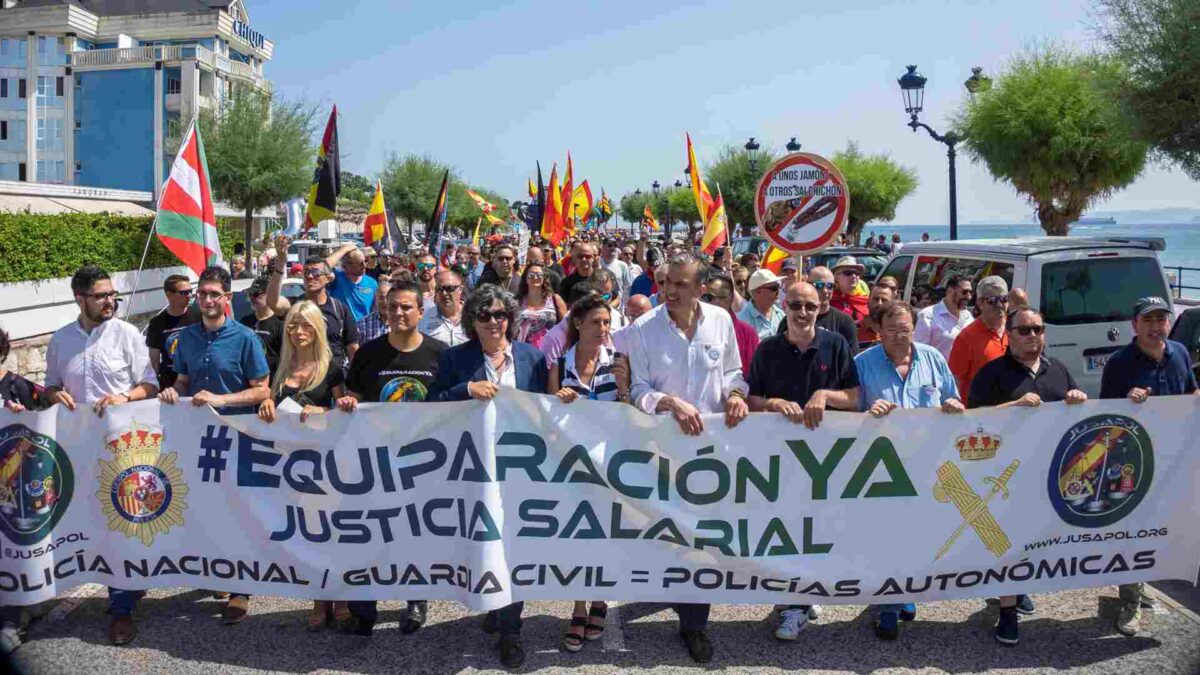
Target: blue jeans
{"type": "Point", "coordinates": [121, 602]}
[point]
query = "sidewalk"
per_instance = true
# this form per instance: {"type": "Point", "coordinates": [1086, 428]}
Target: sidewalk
{"type": "Point", "coordinates": [179, 633]}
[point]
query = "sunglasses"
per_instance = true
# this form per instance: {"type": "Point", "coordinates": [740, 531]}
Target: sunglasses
{"type": "Point", "coordinates": [185, 292]}
{"type": "Point", "coordinates": [314, 273]}
{"type": "Point", "coordinates": [824, 285]}
{"type": "Point", "coordinates": [111, 295]}
{"type": "Point", "coordinates": [709, 297]}
{"type": "Point", "coordinates": [449, 288]}
{"type": "Point", "coordinates": [772, 288]}
{"type": "Point", "coordinates": [797, 306]}
{"type": "Point", "coordinates": [1026, 331]}
{"type": "Point", "coordinates": [426, 266]}
{"type": "Point", "coordinates": [850, 273]}
{"type": "Point", "coordinates": [995, 300]}
{"type": "Point", "coordinates": [489, 317]}
{"type": "Point", "coordinates": [293, 327]}
{"type": "Point", "coordinates": [535, 275]}
{"type": "Point", "coordinates": [505, 259]}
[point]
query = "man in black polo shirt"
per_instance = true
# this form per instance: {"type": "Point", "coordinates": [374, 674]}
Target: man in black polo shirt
{"type": "Point", "coordinates": [830, 318]}
{"type": "Point", "coordinates": [798, 374]}
{"type": "Point", "coordinates": [1023, 377]}
{"type": "Point", "coordinates": [1151, 365]}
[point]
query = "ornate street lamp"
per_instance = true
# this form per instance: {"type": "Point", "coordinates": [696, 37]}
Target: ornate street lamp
{"type": "Point", "coordinates": [752, 150]}
{"type": "Point", "coordinates": [655, 187]}
{"type": "Point", "coordinates": [678, 184]}
{"type": "Point", "coordinates": [793, 146]}
{"type": "Point", "coordinates": [912, 88]}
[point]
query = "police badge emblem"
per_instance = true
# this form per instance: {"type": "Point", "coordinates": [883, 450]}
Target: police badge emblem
{"type": "Point", "coordinates": [141, 489]}
{"type": "Point", "coordinates": [36, 483]}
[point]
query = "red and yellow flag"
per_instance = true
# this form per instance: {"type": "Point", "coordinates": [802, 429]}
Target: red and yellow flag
{"type": "Point", "coordinates": [566, 218]}
{"type": "Point", "coordinates": [552, 227]}
{"type": "Point", "coordinates": [375, 224]}
{"type": "Point", "coordinates": [705, 204]}
{"type": "Point", "coordinates": [483, 204]}
{"type": "Point", "coordinates": [773, 259]}
{"type": "Point", "coordinates": [648, 218]}
{"type": "Point", "coordinates": [716, 229]}
{"type": "Point", "coordinates": [532, 190]}
{"type": "Point", "coordinates": [327, 182]}
{"type": "Point", "coordinates": [581, 205]}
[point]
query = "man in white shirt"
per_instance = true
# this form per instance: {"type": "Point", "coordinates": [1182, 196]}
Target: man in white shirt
{"type": "Point", "coordinates": [938, 325]}
{"type": "Point", "coordinates": [101, 361]}
{"type": "Point", "coordinates": [684, 361]}
{"type": "Point", "coordinates": [444, 322]}
{"type": "Point", "coordinates": [609, 258]}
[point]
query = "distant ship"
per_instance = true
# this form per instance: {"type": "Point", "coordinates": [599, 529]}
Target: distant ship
{"type": "Point", "coordinates": [1096, 220]}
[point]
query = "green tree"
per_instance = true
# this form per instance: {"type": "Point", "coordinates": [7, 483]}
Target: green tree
{"type": "Point", "coordinates": [877, 185]}
{"type": "Point", "coordinates": [683, 209]}
{"type": "Point", "coordinates": [356, 189]}
{"type": "Point", "coordinates": [410, 186]}
{"type": "Point", "coordinates": [1158, 42]}
{"type": "Point", "coordinates": [260, 149]}
{"type": "Point", "coordinates": [1052, 127]}
{"type": "Point", "coordinates": [732, 172]}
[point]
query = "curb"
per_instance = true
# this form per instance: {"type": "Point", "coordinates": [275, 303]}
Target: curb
{"type": "Point", "coordinates": [1167, 600]}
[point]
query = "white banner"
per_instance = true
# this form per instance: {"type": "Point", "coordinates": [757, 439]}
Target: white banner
{"type": "Point", "coordinates": [525, 498]}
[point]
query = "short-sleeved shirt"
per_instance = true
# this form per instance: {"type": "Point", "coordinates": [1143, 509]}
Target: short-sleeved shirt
{"type": "Point", "coordinates": [837, 321]}
{"type": "Point", "coordinates": [221, 361]}
{"type": "Point", "coordinates": [320, 395]}
{"type": "Point", "coordinates": [974, 347]}
{"type": "Point", "coordinates": [359, 297]}
{"type": "Point", "coordinates": [764, 325]}
{"type": "Point", "coordinates": [1006, 379]}
{"type": "Point", "coordinates": [603, 386]}
{"type": "Point", "coordinates": [928, 385]}
{"type": "Point", "coordinates": [781, 370]}
{"type": "Point", "coordinates": [270, 331]}
{"type": "Point", "coordinates": [111, 359]}
{"type": "Point", "coordinates": [1129, 367]}
{"type": "Point", "coordinates": [340, 327]}
{"type": "Point", "coordinates": [160, 335]}
{"type": "Point", "coordinates": [380, 373]}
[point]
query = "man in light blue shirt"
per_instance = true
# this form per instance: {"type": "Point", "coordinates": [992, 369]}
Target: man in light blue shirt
{"type": "Point", "coordinates": [900, 373]}
{"type": "Point", "coordinates": [351, 284]}
{"type": "Point", "coordinates": [763, 312]}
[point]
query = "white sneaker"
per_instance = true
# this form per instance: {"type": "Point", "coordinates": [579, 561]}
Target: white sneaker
{"type": "Point", "coordinates": [793, 621]}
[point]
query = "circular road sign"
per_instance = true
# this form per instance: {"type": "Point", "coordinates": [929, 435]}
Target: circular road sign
{"type": "Point", "coordinates": [802, 203]}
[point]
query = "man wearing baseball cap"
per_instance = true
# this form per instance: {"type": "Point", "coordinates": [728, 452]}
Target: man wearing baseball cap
{"type": "Point", "coordinates": [1151, 365]}
{"type": "Point", "coordinates": [763, 312]}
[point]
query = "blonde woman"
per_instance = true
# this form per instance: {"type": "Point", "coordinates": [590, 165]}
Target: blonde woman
{"type": "Point", "coordinates": [308, 376]}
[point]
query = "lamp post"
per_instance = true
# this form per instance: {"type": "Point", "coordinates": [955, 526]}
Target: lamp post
{"type": "Point", "coordinates": [912, 88]}
{"type": "Point", "coordinates": [792, 145]}
{"type": "Point", "coordinates": [657, 188]}
{"type": "Point", "coordinates": [752, 150]}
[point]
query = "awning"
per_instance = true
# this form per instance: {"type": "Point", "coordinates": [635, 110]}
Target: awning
{"type": "Point", "coordinates": [51, 205]}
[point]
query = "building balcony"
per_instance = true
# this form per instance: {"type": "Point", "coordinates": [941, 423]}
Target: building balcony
{"type": "Point", "coordinates": [100, 59]}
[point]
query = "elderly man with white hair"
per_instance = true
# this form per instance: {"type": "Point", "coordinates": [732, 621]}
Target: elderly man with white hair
{"type": "Point", "coordinates": [984, 339]}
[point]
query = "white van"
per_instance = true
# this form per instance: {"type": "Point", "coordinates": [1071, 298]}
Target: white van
{"type": "Point", "coordinates": [1085, 287]}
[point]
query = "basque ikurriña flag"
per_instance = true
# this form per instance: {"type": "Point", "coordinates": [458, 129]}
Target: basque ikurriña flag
{"type": "Point", "coordinates": [186, 222]}
{"type": "Point", "coordinates": [327, 182]}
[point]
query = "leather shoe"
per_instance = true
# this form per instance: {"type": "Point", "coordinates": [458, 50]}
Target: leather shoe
{"type": "Point", "coordinates": [121, 630]}
{"type": "Point", "coordinates": [235, 610]}
{"type": "Point", "coordinates": [357, 626]}
{"type": "Point", "coordinates": [698, 645]}
{"type": "Point", "coordinates": [417, 613]}
{"type": "Point", "coordinates": [512, 654]}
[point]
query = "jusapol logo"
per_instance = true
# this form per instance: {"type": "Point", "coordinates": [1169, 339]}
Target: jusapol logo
{"type": "Point", "coordinates": [36, 482]}
{"type": "Point", "coordinates": [1101, 471]}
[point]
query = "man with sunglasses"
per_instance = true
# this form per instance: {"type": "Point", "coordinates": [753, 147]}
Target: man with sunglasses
{"type": "Point", "coordinates": [1023, 376]}
{"type": "Point", "coordinates": [351, 284]}
{"type": "Point", "coordinates": [160, 333]}
{"type": "Point", "coordinates": [829, 317]}
{"type": "Point", "coordinates": [265, 323]}
{"type": "Point", "coordinates": [850, 295]}
{"type": "Point", "coordinates": [503, 272]}
{"type": "Point", "coordinates": [584, 258]}
{"type": "Point", "coordinates": [763, 312]}
{"type": "Point", "coordinates": [444, 321]}
{"type": "Point", "coordinates": [798, 374]}
{"type": "Point", "coordinates": [939, 323]}
{"type": "Point", "coordinates": [100, 361]}
{"type": "Point", "coordinates": [984, 339]}
{"type": "Point", "coordinates": [341, 330]}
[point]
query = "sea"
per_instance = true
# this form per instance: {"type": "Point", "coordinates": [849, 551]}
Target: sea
{"type": "Point", "coordinates": [1183, 239]}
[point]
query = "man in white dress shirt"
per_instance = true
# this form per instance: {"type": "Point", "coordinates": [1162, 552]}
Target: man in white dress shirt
{"type": "Point", "coordinates": [684, 361]}
{"type": "Point", "coordinates": [100, 361]}
{"type": "Point", "coordinates": [938, 325]}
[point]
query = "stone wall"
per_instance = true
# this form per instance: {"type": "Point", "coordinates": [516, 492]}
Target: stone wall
{"type": "Point", "coordinates": [27, 357]}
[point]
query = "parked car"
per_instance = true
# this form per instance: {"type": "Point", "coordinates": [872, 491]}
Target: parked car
{"type": "Point", "coordinates": [871, 258]}
{"type": "Point", "coordinates": [757, 245]}
{"type": "Point", "coordinates": [293, 290]}
{"type": "Point", "coordinates": [1085, 287]}
{"type": "Point", "coordinates": [1186, 331]}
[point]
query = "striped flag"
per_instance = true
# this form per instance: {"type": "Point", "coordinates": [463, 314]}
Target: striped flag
{"type": "Point", "coordinates": [186, 222]}
{"type": "Point", "coordinates": [716, 229]}
{"type": "Point", "coordinates": [704, 198]}
{"type": "Point", "coordinates": [483, 204]}
{"type": "Point", "coordinates": [648, 218]}
{"type": "Point", "coordinates": [552, 225]}
{"type": "Point", "coordinates": [326, 185]}
{"type": "Point", "coordinates": [375, 224]}
{"type": "Point", "coordinates": [773, 259]}
{"type": "Point", "coordinates": [436, 226]}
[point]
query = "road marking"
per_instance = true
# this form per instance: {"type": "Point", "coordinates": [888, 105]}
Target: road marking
{"type": "Point", "coordinates": [71, 600]}
{"type": "Point", "coordinates": [614, 635]}
{"type": "Point", "coordinates": [1167, 600]}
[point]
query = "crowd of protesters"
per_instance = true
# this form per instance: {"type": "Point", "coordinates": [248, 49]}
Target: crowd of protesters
{"type": "Point", "coordinates": [660, 328]}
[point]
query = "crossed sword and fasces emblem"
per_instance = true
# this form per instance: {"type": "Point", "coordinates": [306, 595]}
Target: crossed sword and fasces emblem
{"type": "Point", "coordinates": [952, 487]}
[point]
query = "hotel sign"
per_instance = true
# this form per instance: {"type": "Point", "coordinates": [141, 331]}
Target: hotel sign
{"type": "Point", "coordinates": [244, 31]}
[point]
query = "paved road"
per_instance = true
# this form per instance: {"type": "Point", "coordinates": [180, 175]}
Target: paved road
{"type": "Point", "coordinates": [179, 633]}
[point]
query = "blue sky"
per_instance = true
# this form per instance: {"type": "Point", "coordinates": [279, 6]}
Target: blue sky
{"type": "Point", "coordinates": [490, 88]}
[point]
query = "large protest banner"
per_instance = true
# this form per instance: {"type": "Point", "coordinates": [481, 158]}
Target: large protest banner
{"type": "Point", "coordinates": [526, 498]}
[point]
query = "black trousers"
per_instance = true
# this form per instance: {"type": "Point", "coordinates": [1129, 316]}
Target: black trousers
{"type": "Point", "coordinates": [692, 616]}
{"type": "Point", "coordinates": [368, 610]}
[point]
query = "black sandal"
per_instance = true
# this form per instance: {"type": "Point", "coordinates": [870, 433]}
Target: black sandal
{"type": "Point", "coordinates": [571, 641]}
{"type": "Point", "coordinates": [595, 631]}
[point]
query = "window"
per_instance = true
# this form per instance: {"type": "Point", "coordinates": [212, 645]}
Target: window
{"type": "Point", "coordinates": [929, 281]}
{"type": "Point", "coordinates": [49, 135]}
{"type": "Point", "coordinates": [22, 172]}
{"type": "Point", "coordinates": [3, 87]}
{"type": "Point", "coordinates": [50, 171]}
{"type": "Point", "coordinates": [78, 82]}
{"type": "Point", "coordinates": [22, 89]}
{"type": "Point", "coordinates": [1094, 290]}
{"type": "Point", "coordinates": [898, 269]}
{"type": "Point", "coordinates": [174, 86]}
{"type": "Point", "coordinates": [78, 165]}
{"type": "Point", "coordinates": [43, 86]}
{"type": "Point", "coordinates": [42, 46]}
{"type": "Point", "coordinates": [58, 86]}
{"type": "Point", "coordinates": [3, 130]}
{"type": "Point", "coordinates": [78, 123]}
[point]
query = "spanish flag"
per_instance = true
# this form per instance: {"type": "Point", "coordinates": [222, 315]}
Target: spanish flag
{"type": "Point", "coordinates": [532, 190]}
{"type": "Point", "coordinates": [773, 259]}
{"type": "Point", "coordinates": [581, 204]}
{"type": "Point", "coordinates": [705, 204]}
{"type": "Point", "coordinates": [376, 220]}
{"type": "Point", "coordinates": [552, 226]}
{"type": "Point", "coordinates": [483, 204]}
{"type": "Point", "coordinates": [716, 229]}
{"type": "Point", "coordinates": [566, 218]}
{"type": "Point", "coordinates": [648, 218]}
{"type": "Point", "coordinates": [326, 185]}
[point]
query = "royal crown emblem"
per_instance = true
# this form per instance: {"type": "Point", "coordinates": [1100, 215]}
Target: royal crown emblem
{"type": "Point", "coordinates": [978, 445]}
{"type": "Point", "coordinates": [141, 489]}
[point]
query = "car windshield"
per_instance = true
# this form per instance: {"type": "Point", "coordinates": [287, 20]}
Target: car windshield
{"type": "Point", "coordinates": [1096, 290]}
